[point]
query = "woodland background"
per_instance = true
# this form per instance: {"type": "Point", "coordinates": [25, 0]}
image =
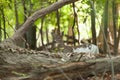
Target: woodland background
{"type": "Point", "coordinates": [31, 25]}
{"type": "Point", "coordinates": [81, 20]}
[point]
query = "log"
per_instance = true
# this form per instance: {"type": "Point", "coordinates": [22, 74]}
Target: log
{"type": "Point", "coordinates": [41, 65]}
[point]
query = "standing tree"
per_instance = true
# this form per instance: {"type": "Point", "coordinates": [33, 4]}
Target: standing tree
{"type": "Point", "coordinates": [93, 21]}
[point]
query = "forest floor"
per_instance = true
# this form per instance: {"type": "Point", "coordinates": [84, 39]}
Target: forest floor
{"type": "Point", "coordinates": [24, 64]}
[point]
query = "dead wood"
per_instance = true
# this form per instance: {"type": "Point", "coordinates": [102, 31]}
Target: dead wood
{"type": "Point", "coordinates": [39, 65]}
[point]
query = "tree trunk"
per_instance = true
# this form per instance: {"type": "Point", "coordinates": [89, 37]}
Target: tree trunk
{"type": "Point", "coordinates": [30, 35]}
{"type": "Point", "coordinates": [112, 31]}
{"type": "Point", "coordinates": [45, 66]}
{"type": "Point", "coordinates": [105, 26]}
{"type": "Point", "coordinates": [58, 20]}
{"type": "Point", "coordinates": [41, 31]}
{"type": "Point", "coordinates": [16, 15]}
{"type": "Point", "coordinates": [0, 29]}
{"type": "Point", "coordinates": [93, 29]}
{"type": "Point", "coordinates": [4, 22]}
{"type": "Point", "coordinates": [118, 25]}
{"type": "Point", "coordinates": [47, 34]}
{"type": "Point", "coordinates": [114, 27]}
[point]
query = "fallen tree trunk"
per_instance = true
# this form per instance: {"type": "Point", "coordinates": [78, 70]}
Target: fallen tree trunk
{"type": "Point", "coordinates": [30, 65]}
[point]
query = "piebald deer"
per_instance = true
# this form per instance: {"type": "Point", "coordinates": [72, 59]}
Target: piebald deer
{"type": "Point", "coordinates": [57, 37]}
{"type": "Point", "coordinates": [86, 51]}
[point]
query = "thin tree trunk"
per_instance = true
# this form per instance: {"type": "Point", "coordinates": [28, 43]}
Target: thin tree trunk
{"type": "Point", "coordinates": [41, 31]}
{"type": "Point", "coordinates": [16, 15]}
{"type": "Point", "coordinates": [118, 38]}
{"type": "Point", "coordinates": [58, 19]}
{"type": "Point", "coordinates": [75, 15]}
{"type": "Point", "coordinates": [47, 33]}
{"type": "Point", "coordinates": [25, 43]}
{"type": "Point", "coordinates": [93, 29]}
{"type": "Point", "coordinates": [4, 25]}
{"type": "Point", "coordinates": [114, 27]}
{"type": "Point", "coordinates": [0, 30]}
{"type": "Point", "coordinates": [105, 26]}
{"type": "Point", "coordinates": [24, 9]}
{"type": "Point", "coordinates": [76, 21]}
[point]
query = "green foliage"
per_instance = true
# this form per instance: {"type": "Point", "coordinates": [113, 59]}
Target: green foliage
{"type": "Point", "coordinates": [117, 1]}
{"type": "Point", "coordinates": [82, 9]}
{"type": "Point", "coordinates": [4, 3]}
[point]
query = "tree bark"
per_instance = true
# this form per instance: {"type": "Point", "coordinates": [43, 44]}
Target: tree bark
{"type": "Point", "coordinates": [16, 15]}
{"type": "Point", "coordinates": [45, 66]}
{"type": "Point", "coordinates": [93, 28]}
{"type": "Point", "coordinates": [0, 29]}
{"type": "Point", "coordinates": [4, 22]}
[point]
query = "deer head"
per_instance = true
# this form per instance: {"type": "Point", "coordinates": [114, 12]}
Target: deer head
{"type": "Point", "coordinates": [57, 37]}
